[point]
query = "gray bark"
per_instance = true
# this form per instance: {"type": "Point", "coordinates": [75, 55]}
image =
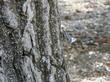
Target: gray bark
{"type": "Point", "coordinates": [30, 48]}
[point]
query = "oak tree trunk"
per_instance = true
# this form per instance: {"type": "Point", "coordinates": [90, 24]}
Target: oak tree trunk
{"type": "Point", "coordinates": [30, 48]}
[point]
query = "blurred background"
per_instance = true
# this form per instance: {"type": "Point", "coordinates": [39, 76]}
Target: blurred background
{"type": "Point", "coordinates": [85, 26]}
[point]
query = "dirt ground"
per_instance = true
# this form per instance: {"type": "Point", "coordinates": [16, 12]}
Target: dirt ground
{"type": "Point", "coordinates": [88, 22]}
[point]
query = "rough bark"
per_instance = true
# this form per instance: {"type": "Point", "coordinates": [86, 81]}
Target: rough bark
{"type": "Point", "coordinates": [30, 48]}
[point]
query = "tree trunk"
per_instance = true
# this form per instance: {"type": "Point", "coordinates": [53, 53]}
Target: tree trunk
{"type": "Point", "coordinates": [30, 48]}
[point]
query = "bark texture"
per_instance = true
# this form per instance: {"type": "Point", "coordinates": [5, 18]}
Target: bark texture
{"type": "Point", "coordinates": [30, 48]}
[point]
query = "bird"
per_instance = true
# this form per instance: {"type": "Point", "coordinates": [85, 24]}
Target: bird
{"type": "Point", "coordinates": [69, 37]}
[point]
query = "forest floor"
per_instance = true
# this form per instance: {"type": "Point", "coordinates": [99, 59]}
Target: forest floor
{"type": "Point", "coordinates": [87, 21]}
